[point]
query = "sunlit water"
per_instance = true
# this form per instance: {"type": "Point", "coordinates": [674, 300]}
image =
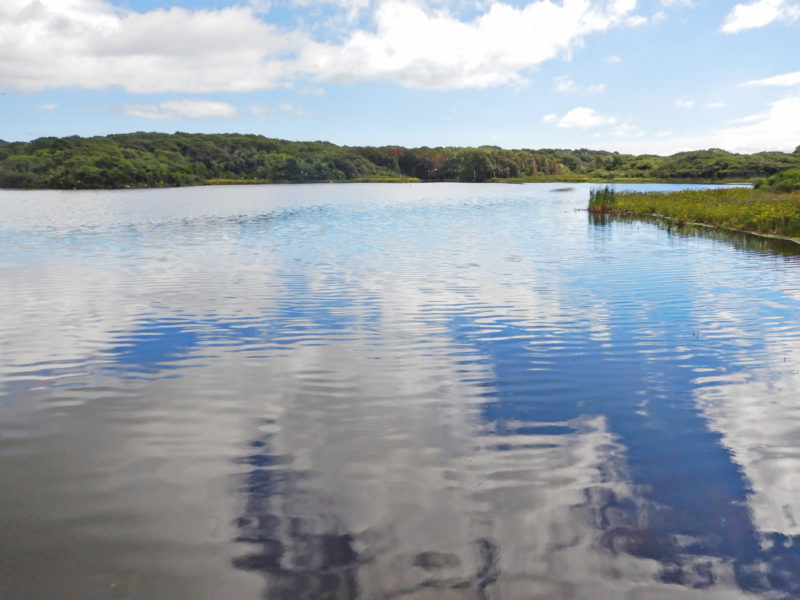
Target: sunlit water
{"type": "Point", "coordinates": [391, 391]}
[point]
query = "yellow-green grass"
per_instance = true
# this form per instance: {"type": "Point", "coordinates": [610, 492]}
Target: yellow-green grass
{"type": "Point", "coordinates": [744, 209]}
{"type": "Point", "coordinates": [370, 179]}
{"type": "Point", "coordinates": [383, 179]}
{"type": "Point", "coordinates": [224, 181]}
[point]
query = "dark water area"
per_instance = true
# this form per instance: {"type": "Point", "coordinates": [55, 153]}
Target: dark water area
{"type": "Point", "coordinates": [436, 391]}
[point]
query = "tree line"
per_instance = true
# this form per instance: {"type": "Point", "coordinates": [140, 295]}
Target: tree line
{"type": "Point", "coordinates": [158, 159]}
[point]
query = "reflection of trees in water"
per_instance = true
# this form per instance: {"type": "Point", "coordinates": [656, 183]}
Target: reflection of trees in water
{"type": "Point", "coordinates": [762, 244]}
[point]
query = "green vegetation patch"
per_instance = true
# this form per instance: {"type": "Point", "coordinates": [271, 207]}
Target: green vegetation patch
{"type": "Point", "coordinates": [602, 200]}
{"type": "Point", "coordinates": [745, 209]}
{"type": "Point", "coordinates": [159, 159]}
{"type": "Point", "coordinates": [785, 181]}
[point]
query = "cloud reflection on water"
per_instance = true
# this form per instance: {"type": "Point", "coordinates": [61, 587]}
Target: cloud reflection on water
{"type": "Point", "coordinates": [402, 407]}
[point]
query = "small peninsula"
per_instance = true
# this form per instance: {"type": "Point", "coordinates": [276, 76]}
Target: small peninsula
{"type": "Point", "coordinates": [771, 207]}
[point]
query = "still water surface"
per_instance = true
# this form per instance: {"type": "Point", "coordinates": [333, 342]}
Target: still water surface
{"type": "Point", "coordinates": [389, 391]}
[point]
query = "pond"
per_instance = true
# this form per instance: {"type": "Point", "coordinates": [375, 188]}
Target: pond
{"type": "Point", "coordinates": [392, 391]}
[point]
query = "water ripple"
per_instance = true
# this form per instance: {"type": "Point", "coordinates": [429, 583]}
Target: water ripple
{"type": "Point", "coordinates": [437, 391]}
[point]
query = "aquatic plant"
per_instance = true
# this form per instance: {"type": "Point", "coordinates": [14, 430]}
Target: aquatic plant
{"type": "Point", "coordinates": [601, 200]}
{"type": "Point", "coordinates": [745, 209]}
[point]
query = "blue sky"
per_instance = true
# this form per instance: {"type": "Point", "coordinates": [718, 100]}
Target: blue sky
{"type": "Point", "coordinates": [647, 76]}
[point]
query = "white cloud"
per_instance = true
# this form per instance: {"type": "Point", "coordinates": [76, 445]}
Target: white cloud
{"type": "Point", "coordinates": [715, 105]}
{"type": "Point", "coordinates": [636, 21]}
{"type": "Point", "coordinates": [292, 110]}
{"type": "Point", "coordinates": [181, 109]}
{"type": "Point", "coordinates": [311, 91]}
{"type": "Point", "coordinates": [352, 8]}
{"type": "Point", "coordinates": [686, 3]}
{"type": "Point", "coordinates": [786, 80]}
{"type": "Point", "coordinates": [596, 88]}
{"type": "Point", "coordinates": [613, 59]}
{"type": "Point", "coordinates": [627, 130]}
{"type": "Point", "coordinates": [93, 44]}
{"type": "Point", "coordinates": [777, 128]}
{"type": "Point", "coordinates": [759, 14]}
{"type": "Point", "coordinates": [49, 106]}
{"type": "Point", "coordinates": [687, 104]}
{"type": "Point", "coordinates": [747, 119]}
{"type": "Point", "coordinates": [565, 85]}
{"type": "Point", "coordinates": [260, 6]}
{"type": "Point", "coordinates": [264, 112]}
{"type": "Point", "coordinates": [580, 117]}
{"type": "Point", "coordinates": [421, 49]}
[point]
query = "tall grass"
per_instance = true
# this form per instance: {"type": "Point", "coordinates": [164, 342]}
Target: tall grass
{"type": "Point", "coordinates": [758, 211]}
{"type": "Point", "coordinates": [602, 200]}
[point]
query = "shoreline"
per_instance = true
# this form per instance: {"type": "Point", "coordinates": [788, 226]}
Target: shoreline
{"type": "Point", "coordinates": [759, 212]}
{"type": "Point", "coordinates": [680, 223]}
{"type": "Point", "coordinates": [511, 181]}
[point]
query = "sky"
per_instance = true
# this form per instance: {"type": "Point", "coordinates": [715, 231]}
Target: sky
{"type": "Point", "coordinates": [646, 76]}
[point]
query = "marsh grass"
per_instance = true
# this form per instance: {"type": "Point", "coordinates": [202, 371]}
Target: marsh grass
{"type": "Point", "coordinates": [744, 209]}
{"type": "Point", "coordinates": [602, 200]}
{"type": "Point", "coordinates": [385, 179]}
{"type": "Point", "coordinates": [230, 181]}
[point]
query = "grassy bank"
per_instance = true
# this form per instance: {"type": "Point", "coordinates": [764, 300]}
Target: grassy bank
{"type": "Point", "coordinates": [371, 179]}
{"type": "Point", "coordinates": [753, 210]}
{"type": "Point", "coordinates": [575, 178]}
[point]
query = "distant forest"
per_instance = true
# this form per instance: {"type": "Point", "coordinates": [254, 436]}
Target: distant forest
{"type": "Point", "coordinates": [157, 159]}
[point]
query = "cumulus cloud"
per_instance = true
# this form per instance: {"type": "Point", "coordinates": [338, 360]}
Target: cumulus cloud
{"type": "Point", "coordinates": [581, 117]}
{"type": "Point", "coordinates": [613, 59]}
{"type": "Point", "coordinates": [759, 14]}
{"type": "Point", "coordinates": [786, 80]}
{"type": "Point", "coordinates": [94, 44]}
{"type": "Point", "coordinates": [687, 104]}
{"type": "Point", "coordinates": [91, 44]}
{"type": "Point", "coordinates": [181, 109]}
{"type": "Point", "coordinates": [777, 128]}
{"type": "Point", "coordinates": [434, 50]}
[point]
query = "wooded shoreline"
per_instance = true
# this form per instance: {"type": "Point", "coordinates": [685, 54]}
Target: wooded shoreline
{"type": "Point", "coordinates": [181, 159]}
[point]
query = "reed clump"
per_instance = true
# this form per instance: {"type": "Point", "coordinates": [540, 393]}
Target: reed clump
{"type": "Point", "coordinates": [602, 200]}
{"type": "Point", "coordinates": [745, 209]}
